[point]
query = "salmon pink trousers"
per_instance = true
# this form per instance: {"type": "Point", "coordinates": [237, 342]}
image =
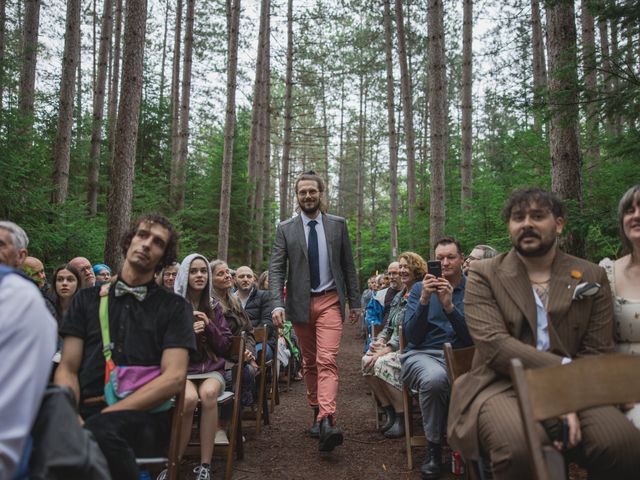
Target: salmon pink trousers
{"type": "Point", "coordinates": [319, 341]}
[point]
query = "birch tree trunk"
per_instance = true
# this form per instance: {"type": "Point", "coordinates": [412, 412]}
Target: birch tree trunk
{"type": "Point", "coordinates": [407, 108]}
{"type": "Point", "coordinates": [29, 59]}
{"type": "Point", "coordinates": [393, 137]}
{"type": "Point", "coordinates": [126, 134]}
{"type": "Point", "coordinates": [466, 169]}
{"type": "Point", "coordinates": [62, 144]}
{"type": "Point", "coordinates": [606, 66]}
{"type": "Point", "coordinates": [163, 61]}
{"type": "Point", "coordinates": [229, 133]}
{"type": "Point", "coordinates": [98, 107]}
{"type": "Point", "coordinates": [288, 105]}
{"type": "Point", "coordinates": [566, 175]}
{"type": "Point", "coordinates": [438, 114]}
{"type": "Point", "coordinates": [539, 66]}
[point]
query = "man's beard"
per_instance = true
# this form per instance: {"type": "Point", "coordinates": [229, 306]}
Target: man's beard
{"type": "Point", "coordinates": [310, 210]}
{"type": "Point", "coordinates": [541, 250]}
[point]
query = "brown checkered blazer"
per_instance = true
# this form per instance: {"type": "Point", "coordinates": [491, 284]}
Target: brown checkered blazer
{"type": "Point", "coordinates": [500, 312]}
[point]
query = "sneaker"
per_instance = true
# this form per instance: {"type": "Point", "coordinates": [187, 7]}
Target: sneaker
{"type": "Point", "coordinates": [163, 475]}
{"type": "Point", "coordinates": [221, 438]}
{"type": "Point", "coordinates": [202, 472]}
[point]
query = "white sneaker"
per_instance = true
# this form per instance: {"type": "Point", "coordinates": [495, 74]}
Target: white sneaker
{"type": "Point", "coordinates": [203, 473]}
{"type": "Point", "coordinates": [221, 438]}
{"type": "Point", "coordinates": [163, 475]}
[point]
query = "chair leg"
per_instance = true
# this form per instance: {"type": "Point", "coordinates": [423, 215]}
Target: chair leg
{"type": "Point", "coordinates": [408, 426]}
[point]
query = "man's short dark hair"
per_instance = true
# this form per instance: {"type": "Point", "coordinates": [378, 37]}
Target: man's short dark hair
{"type": "Point", "coordinates": [449, 241]}
{"type": "Point", "coordinates": [524, 197]}
{"type": "Point", "coordinates": [171, 248]}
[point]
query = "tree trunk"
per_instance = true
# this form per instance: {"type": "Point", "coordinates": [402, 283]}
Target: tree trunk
{"type": "Point", "coordinates": [288, 103]}
{"type": "Point", "coordinates": [175, 102]}
{"type": "Point", "coordinates": [466, 170]}
{"type": "Point", "coordinates": [615, 79]}
{"type": "Point", "coordinates": [393, 137]}
{"type": "Point", "coordinates": [409, 134]}
{"type": "Point", "coordinates": [3, 22]}
{"type": "Point", "coordinates": [115, 78]}
{"type": "Point", "coordinates": [263, 147]}
{"type": "Point", "coordinates": [126, 134]}
{"type": "Point", "coordinates": [98, 107]}
{"type": "Point", "coordinates": [325, 134]}
{"type": "Point", "coordinates": [606, 66]}
{"type": "Point", "coordinates": [591, 83]}
{"type": "Point", "coordinates": [438, 114]}
{"type": "Point", "coordinates": [62, 145]}
{"type": "Point", "coordinates": [229, 133]}
{"type": "Point", "coordinates": [163, 61]}
{"type": "Point", "coordinates": [185, 104]}
{"type": "Point", "coordinates": [29, 60]}
{"type": "Point", "coordinates": [539, 66]}
{"type": "Point", "coordinates": [566, 176]}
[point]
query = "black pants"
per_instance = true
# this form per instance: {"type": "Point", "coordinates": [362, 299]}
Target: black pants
{"type": "Point", "coordinates": [125, 435]}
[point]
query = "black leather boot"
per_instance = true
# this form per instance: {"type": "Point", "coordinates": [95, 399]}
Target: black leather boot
{"type": "Point", "coordinates": [397, 429]}
{"type": "Point", "coordinates": [314, 431]}
{"type": "Point", "coordinates": [330, 435]}
{"type": "Point", "coordinates": [432, 466]}
{"type": "Point", "coordinates": [391, 417]}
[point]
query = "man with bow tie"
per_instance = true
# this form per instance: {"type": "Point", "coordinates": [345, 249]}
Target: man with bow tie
{"type": "Point", "coordinates": [148, 326]}
{"type": "Point", "coordinates": [545, 307]}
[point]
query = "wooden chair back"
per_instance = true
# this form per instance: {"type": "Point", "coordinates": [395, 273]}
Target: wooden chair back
{"type": "Point", "coordinates": [262, 409]}
{"type": "Point", "coordinates": [458, 360]}
{"type": "Point", "coordinates": [172, 460]}
{"type": "Point", "coordinates": [545, 393]}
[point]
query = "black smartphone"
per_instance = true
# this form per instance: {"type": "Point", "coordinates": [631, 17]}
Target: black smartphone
{"type": "Point", "coordinates": [564, 429]}
{"type": "Point", "coordinates": [434, 267]}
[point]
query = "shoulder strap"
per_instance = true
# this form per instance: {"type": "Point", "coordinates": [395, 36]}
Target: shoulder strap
{"type": "Point", "coordinates": [107, 346]}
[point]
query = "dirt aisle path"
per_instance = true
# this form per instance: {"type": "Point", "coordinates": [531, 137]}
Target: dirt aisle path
{"type": "Point", "coordinates": [284, 451]}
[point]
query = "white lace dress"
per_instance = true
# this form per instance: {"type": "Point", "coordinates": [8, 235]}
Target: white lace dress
{"type": "Point", "coordinates": [626, 314]}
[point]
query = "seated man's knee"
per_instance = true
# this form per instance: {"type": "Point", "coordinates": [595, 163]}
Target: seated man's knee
{"type": "Point", "coordinates": [434, 383]}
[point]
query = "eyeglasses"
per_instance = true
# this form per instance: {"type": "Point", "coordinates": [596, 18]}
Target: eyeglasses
{"type": "Point", "coordinates": [470, 259]}
{"type": "Point", "coordinates": [170, 274]}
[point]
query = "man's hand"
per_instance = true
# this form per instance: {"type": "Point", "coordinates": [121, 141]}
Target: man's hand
{"type": "Point", "coordinates": [354, 315]}
{"type": "Point", "coordinates": [429, 286]}
{"type": "Point", "coordinates": [445, 294]}
{"type": "Point", "coordinates": [574, 436]}
{"type": "Point", "coordinates": [277, 317]}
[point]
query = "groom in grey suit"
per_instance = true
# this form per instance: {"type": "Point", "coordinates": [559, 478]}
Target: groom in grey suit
{"type": "Point", "coordinates": [313, 252]}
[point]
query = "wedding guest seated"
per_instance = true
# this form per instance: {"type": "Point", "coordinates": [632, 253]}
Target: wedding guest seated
{"type": "Point", "coordinates": [257, 305]}
{"type": "Point", "coordinates": [377, 311]}
{"type": "Point", "coordinates": [479, 252]}
{"type": "Point", "coordinates": [102, 273]}
{"type": "Point", "coordinates": [381, 364]}
{"type": "Point", "coordinates": [34, 269]}
{"type": "Point", "coordinates": [205, 379]}
{"type": "Point", "coordinates": [624, 277]}
{"type": "Point", "coordinates": [83, 266]}
{"type": "Point", "coordinates": [150, 331]}
{"type": "Point", "coordinates": [166, 278]}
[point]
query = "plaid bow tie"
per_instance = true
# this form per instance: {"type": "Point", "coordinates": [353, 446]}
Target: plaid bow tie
{"type": "Point", "coordinates": [138, 292]}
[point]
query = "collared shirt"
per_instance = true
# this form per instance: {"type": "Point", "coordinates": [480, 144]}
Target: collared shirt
{"type": "Point", "coordinates": [326, 278]}
{"type": "Point", "coordinates": [429, 327]}
{"type": "Point", "coordinates": [542, 341]}
{"type": "Point", "coordinates": [140, 331]}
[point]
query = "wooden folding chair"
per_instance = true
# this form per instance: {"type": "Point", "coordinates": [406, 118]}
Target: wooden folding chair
{"type": "Point", "coordinates": [275, 387]}
{"type": "Point", "coordinates": [411, 439]}
{"type": "Point", "coordinates": [236, 351]}
{"type": "Point", "coordinates": [458, 362]}
{"type": "Point", "coordinates": [375, 330]}
{"type": "Point", "coordinates": [262, 408]}
{"type": "Point", "coordinates": [172, 460]}
{"type": "Point", "coordinates": [546, 393]}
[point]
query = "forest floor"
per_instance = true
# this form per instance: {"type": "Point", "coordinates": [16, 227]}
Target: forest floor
{"type": "Point", "coordinates": [283, 450]}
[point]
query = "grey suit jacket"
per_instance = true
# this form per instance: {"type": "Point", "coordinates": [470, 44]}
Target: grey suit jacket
{"type": "Point", "coordinates": [501, 315]}
{"type": "Point", "coordinates": [289, 260]}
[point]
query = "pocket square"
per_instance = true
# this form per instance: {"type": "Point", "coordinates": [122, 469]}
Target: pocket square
{"type": "Point", "coordinates": [585, 289]}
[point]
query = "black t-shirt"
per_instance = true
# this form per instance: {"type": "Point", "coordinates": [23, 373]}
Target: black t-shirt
{"type": "Point", "coordinates": [140, 331]}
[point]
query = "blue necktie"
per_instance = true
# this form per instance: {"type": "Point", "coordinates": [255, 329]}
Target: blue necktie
{"type": "Point", "coordinates": [314, 257]}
